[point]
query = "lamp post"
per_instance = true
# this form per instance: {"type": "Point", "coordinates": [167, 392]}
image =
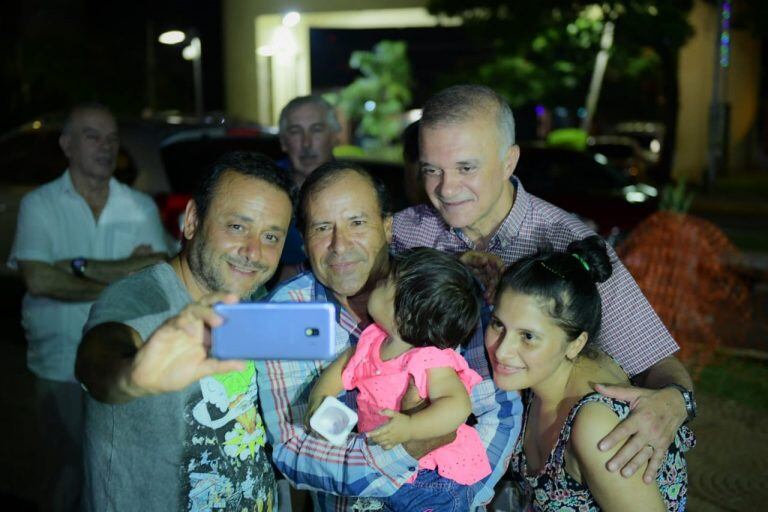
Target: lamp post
{"type": "Point", "coordinates": [719, 109]}
{"type": "Point", "coordinates": [192, 52]}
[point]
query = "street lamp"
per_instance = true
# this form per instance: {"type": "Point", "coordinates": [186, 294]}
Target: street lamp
{"type": "Point", "coordinates": [194, 52]}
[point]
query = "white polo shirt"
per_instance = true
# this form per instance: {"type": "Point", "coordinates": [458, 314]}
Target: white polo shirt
{"type": "Point", "coordinates": [56, 223]}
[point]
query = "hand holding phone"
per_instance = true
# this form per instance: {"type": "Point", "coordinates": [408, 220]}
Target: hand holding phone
{"type": "Point", "coordinates": [275, 330]}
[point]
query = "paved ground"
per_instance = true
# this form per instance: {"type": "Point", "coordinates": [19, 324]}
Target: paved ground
{"type": "Point", "coordinates": [729, 466]}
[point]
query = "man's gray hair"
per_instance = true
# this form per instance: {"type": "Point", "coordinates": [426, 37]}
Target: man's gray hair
{"type": "Point", "coordinates": [459, 103]}
{"type": "Point", "coordinates": [85, 105]}
{"type": "Point", "coordinates": [300, 101]}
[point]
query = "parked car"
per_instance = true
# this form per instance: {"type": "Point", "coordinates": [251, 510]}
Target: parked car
{"type": "Point", "coordinates": [622, 153]}
{"type": "Point", "coordinates": [579, 183]}
{"type": "Point", "coordinates": [648, 134]}
{"type": "Point", "coordinates": [163, 157]}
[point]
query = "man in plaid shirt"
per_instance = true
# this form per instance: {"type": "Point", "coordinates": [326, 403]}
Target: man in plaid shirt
{"type": "Point", "coordinates": [468, 155]}
{"type": "Point", "coordinates": [347, 229]}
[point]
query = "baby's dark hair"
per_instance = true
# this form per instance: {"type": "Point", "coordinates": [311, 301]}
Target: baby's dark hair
{"type": "Point", "coordinates": [565, 283]}
{"type": "Point", "coordinates": [437, 299]}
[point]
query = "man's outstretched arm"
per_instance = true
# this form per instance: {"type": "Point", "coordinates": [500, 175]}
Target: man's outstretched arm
{"type": "Point", "coordinates": [116, 366]}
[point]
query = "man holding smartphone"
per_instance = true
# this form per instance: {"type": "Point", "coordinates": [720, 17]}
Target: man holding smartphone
{"type": "Point", "coordinates": [344, 215]}
{"type": "Point", "coordinates": [167, 427]}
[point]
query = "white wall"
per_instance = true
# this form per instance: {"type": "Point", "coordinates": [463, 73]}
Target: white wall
{"type": "Point", "coordinates": [257, 86]}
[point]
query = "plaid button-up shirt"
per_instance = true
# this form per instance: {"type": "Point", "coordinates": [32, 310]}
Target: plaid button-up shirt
{"type": "Point", "coordinates": [357, 468]}
{"type": "Point", "coordinates": [631, 332]}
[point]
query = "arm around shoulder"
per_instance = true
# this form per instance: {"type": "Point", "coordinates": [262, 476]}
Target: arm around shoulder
{"type": "Point", "coordinates": [611, 490]}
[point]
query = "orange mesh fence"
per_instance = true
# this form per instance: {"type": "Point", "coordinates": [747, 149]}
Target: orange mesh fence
{"type": "Point", "coordinates": [683, 264]}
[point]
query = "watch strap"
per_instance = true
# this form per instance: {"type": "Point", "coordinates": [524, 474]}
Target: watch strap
{"type": "Point", "coordinates": [78, 266]}
{"type": "Point", "coordinates": [688, 400]}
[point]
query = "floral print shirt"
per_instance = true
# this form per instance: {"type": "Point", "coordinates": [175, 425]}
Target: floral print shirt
{"type": "Point", "coordinates": [226, 466]}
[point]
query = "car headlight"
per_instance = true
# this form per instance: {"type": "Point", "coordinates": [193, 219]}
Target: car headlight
{"type": "Point", "coordinates": [639, 193]}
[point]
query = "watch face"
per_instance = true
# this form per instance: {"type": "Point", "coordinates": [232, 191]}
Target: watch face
{"type": "Point", "coordinates": [78, 266]}
{"type": "Point", "coordinates": [690, 404]}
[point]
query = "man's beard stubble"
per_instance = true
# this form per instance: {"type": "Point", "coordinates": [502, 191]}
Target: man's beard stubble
{"type": "Point", "coordinates": [203, 266]}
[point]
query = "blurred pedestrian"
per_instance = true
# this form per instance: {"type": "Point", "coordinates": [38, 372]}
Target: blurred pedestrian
{"type": "Point", "coordinates": [75, 235]}
{"type": "Point", "coordinates": [309, 130]}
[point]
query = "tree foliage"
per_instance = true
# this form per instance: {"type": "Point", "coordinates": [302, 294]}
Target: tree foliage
{"type": "Point", "coordinates": [378, 97]}
{"type": "Point", "coordinates": [544, 51]}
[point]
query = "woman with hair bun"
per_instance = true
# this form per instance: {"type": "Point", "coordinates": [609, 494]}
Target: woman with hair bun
{"type": "Point", "coordinates": [541, 339]}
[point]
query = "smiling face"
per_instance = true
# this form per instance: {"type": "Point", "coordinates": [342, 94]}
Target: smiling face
{"type": "Point", "coordinates": [307, 139]}
{"type": "Point", "coordinates": [91, 143]}
{"type": "Point", "coordinates": [347, 239]}
{"type": "Point", "coordinates": [525, 345]}
{"type": "Point", "coordinates": [466, 174]}
{"type": "Point", "coordinates": [237, 247]}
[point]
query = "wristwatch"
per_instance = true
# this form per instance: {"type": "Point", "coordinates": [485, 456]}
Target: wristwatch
{"type": "Point", "coordinates": [78, 266]}
{"type": "Point", "coordinates": [688, 399]}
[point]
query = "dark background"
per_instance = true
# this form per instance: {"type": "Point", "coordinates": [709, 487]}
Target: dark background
{"type": "Point", "coordinates": [58, 52]}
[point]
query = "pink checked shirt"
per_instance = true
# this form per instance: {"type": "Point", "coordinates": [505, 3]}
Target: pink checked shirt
{"type": "Point", "coordinates": [631, 331]}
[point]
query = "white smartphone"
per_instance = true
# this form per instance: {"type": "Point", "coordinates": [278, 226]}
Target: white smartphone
{"type": "Point", "coordinates": [275, 330]}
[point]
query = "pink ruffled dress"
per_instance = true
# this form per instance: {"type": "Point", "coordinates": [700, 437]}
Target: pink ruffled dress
{"type": "Point", "coordinates": [382, 384]}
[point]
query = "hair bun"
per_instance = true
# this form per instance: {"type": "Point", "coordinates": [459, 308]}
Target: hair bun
{"type": "Point", "coordinates": [593, 252]}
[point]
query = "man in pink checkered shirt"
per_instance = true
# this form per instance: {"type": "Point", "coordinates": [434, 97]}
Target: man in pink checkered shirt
{"type": "Point", "coordinates": [468, 156]}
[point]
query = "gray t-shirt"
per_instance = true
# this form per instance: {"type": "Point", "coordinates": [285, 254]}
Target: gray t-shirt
{"type": "Point", "coordinates": [198, 449]}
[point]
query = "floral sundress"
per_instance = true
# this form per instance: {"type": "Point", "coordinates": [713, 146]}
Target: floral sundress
{"type": "Point", "coordinates": [554, 489]}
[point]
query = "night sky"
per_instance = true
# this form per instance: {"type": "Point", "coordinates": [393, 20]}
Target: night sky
{"type": "Point", "coordinates": [58, 52]}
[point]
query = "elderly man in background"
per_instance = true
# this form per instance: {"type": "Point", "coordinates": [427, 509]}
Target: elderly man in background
{"type": "Point", "coordinates": [309, 130]}
{"type": "Point", "coordinates": [74, 236]}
